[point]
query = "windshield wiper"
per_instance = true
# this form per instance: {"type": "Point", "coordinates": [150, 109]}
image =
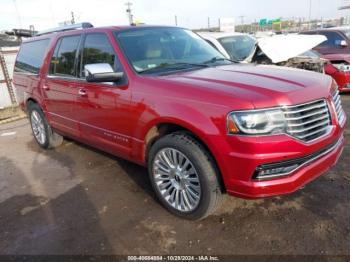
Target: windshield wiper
{"type": "Point", "coordinates": [175, 66]}
{"type": "Point", "coordinates": [217, 59]}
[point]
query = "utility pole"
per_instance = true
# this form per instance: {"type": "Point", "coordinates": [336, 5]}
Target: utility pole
{"type": "Point", "coordinates": [208, 22]}
{"type": "Point", "coordinates": [310, 11]}
{"type": "Point", "coordinates": [73, 18]}
{"type": "Point", "coordinates": [128, 11]}
{"type": "Point", "coordinates": [18, 14]}
{"type": "Point", "coordinates": [242, 22]}
{"type": "Point", "coordinates": [176, 20]}
{"type": "Point", "coordinates": [242, 19]}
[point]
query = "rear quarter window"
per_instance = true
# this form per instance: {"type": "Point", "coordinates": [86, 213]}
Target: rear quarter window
{"type": "Point", "coordinates": [31, 56]}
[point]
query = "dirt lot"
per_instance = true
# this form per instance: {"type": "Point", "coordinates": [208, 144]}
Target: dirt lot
{"type": "Point", "coordinates": [76, 200]}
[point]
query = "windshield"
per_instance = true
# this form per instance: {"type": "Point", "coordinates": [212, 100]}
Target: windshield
{"type": "Point", "coordinates": [156, 49]}
{"type": "Point", "coordinates": [238, 47]}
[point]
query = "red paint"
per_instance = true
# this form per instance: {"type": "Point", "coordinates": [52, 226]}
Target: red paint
{"type": "Point", "coordinates": [117, 119]}
{"type": "Point", "coordinates": [342, 78]}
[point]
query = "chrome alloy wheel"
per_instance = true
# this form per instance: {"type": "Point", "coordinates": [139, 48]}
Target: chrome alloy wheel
{"type": "Point", "coordinates": [176, 179]}
{"type": "Point", "coordinates": [38, 127]}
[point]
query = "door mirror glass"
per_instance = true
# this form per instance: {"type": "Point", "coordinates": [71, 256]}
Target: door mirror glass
{"type": "Point", "coordinates": [102, 72]}
{"type": "Point", "coordinates": [343, 43]}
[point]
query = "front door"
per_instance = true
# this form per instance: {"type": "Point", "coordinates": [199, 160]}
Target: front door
{"type": "Point", "coordinates": [103, 107]}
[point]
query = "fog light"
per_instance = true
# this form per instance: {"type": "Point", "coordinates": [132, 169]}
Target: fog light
{"type": "Point", "coordinates": [266, 172]}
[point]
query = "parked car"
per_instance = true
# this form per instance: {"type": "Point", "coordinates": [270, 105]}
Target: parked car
{"type": "Point", "coordinates": [283, 50]}
{"type": "Point", "coordinates": [235, 46]}
{"type": "Point", "coordinates": [164, 98]}
{"type": "Point", "coordinates": [338, 40]}
{"type": "Point", "coordinates": [339, 68]}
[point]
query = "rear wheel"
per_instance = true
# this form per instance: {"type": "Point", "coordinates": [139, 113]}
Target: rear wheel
{"type": "Point", "coordinates": [42, 131]}
{"type": "Point", "coordinates": [184, 176]}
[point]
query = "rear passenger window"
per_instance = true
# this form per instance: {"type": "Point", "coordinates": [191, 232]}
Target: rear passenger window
{"type": "Point", "coordinates": [97, 49]}
{"type": "Point", "coordinates": [63, 59]}
{"type": "Point", "coordinates": [31, 56]}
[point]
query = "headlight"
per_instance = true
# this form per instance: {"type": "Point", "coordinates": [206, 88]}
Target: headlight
{"type": "Point", "coordinates": [258, 122]}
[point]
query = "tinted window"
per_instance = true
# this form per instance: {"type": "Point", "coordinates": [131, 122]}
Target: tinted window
{"type": "Point", "coordinates": [333, 39]}
{"type": "Point", "coordinates": [31, 56]}
{"type": "Point", "coordinates": [97, 49]}
{"type": "Point", "coordinates": [63, 59]}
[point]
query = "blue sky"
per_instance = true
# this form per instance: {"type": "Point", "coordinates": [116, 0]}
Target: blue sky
{"type": "Point", "coordinates": [191, 13]}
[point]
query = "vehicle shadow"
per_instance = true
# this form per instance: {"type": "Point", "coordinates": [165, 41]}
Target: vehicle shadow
{"type": "Point", "coordinates": [35, 224]}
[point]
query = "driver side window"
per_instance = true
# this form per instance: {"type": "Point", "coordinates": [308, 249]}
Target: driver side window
{"type": "Point", "coordinates": [97, 49]}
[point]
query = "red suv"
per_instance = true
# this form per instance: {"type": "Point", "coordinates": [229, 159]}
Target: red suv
{"type": "Point", "coordinates": [164, 98]}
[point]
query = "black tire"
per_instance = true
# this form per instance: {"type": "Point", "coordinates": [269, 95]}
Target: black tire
{"type": "Point", "coordinates": [51, 139]}
{"type": "Point", "coordinates": [208, 175]}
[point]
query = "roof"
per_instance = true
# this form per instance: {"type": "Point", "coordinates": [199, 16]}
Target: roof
{"type": "Point", "coordinates": [92, 29]}
{"type": "Point", "coordinates": [218, 35]}
{"type": "Point", "coordinates": [338, 28]}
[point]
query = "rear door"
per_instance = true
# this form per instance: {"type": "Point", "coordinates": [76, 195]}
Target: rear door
{"type": "Point", "coordinates": [59, 89]}
{"type": "Point", "coordinates": [28, 69]}
{"type": "Point", "coordinates": [104, 108]}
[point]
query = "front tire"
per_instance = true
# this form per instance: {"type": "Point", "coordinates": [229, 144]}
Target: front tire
{"type": "Point", "coordinates": [184, 176]}
{"type": "Point", "coordinates": [42, 131]}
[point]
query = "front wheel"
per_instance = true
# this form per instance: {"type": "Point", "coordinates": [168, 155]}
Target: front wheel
{"type": "Point", "coordinates": [184, 176]}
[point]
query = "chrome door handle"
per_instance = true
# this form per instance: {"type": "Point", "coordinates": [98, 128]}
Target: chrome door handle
{"type": "Point", "coordinates": [82, 92]}
{"type": "Point", "coordinates": [46, 87]}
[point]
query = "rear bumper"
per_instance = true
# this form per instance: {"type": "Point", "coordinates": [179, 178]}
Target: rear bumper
{"type": "Point", "coordinates": [290, 184]}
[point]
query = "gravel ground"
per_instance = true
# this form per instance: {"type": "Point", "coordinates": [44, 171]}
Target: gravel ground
{"type": "Point", "coordinates": [77, 200]}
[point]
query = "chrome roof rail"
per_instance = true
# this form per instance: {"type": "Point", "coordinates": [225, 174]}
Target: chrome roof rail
{"type": "Point", "coordinates": [65, 28]}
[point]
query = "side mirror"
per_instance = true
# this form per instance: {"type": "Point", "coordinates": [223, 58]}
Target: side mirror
{"type": "Point", "coordinates": [98, 73]}
{"type": "Point", "coordinates": [343, 43]}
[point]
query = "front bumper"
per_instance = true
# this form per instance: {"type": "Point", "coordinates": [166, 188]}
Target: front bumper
{"type": "Point", "coordinates": [289, 184]}
{"type": "Point", "coordinates": [240, 156]}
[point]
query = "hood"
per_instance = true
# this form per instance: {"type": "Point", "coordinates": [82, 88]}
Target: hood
{"type": "Point", "coordinates": [261, 85]}
{"type": "Point", "coordinates": [281, 48]}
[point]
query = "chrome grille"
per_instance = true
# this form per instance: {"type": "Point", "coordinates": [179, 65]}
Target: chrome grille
{"type": "Point", "coordinates": [309, 121]}
{"type": "Point", "coordinates": [338, 107]}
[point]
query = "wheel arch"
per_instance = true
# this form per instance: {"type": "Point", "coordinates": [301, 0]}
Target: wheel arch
{"type": "Point", "coordinates": [163, 128]}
